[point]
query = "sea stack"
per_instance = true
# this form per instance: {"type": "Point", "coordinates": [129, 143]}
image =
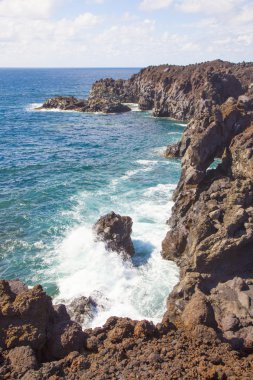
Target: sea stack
{"type": "Point", "coordinates": [115, 230]}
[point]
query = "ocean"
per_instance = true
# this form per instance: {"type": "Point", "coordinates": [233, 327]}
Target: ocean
{"type": "Point", "coordinates": [60, 171]}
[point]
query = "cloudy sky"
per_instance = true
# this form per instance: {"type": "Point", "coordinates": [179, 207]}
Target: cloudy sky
{"type": "Point", "coordinates": [123, 33]}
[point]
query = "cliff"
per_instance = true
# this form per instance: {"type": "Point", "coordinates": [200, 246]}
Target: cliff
{"type": "Point", "coordinates": [210, 237]}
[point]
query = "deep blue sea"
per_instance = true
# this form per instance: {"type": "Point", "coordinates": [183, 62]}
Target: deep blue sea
{"type": "Point", "coordinates": [60, 171]}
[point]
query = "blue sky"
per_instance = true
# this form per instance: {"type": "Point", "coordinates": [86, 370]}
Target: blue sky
{"type": "Point", "coordinates": [118, 33]}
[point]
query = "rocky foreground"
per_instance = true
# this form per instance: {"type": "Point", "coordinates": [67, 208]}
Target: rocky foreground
{"type": "Point", "coordinates": [207, 330]}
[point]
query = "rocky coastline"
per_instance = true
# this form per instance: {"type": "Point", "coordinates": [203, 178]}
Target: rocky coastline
{"type": "Point", "coordinates": [92, 105]}
{"type": "Point", "coordinates": [207, 330]}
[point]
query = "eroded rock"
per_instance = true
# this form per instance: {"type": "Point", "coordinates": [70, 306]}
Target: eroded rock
{"type": "Point", "coordinates": [115, 230]}
{"type": "Point", "coordinates": [70, 103]}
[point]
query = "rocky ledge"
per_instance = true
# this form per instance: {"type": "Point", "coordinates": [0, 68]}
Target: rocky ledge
{"type": "Point", "coordinates": [39, 342]}
{"type": "Point", "coordinates": [70, 103]}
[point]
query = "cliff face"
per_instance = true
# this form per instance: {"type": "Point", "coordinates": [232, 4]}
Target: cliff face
{"type": "Point", "coordinates": [211, 227]}
{"type": "Point", "coordinates": [179, 92]}
{"type": "Point", "coordinates": [211, 234]}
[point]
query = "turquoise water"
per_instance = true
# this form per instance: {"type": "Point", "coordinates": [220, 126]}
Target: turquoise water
{"type": "Point", "coordinates": [60, 171]}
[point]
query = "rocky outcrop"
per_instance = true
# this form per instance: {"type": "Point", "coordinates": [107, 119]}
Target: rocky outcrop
{"type": "Point", "coordinates": [28, 318]}
{"type": "Point", "coordinates": [115, 230]}
{"type": "Point", "coordinates": [123, 348]}
{"type": "Point", "coordinates": [211, 227]}
{"type": "Point", "coordinates": [179, 92]}
{"type": "Point", "coordinates": [70, 103]}
{"type": "Point", "coordinates": [82, 309]}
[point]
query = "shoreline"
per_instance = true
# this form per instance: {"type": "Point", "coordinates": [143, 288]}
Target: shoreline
{"type": "Point", "coordinates": [210, 238]}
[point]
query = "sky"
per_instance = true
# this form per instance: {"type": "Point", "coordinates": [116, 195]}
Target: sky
{"type": "Point", "coordinates": [123, 33]}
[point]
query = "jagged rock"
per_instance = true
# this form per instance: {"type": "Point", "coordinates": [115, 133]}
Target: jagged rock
{"type": "Point", "coordinates": [82, 309]}
{"type": "Point", "coordinates": [64, 337]}
{"type": "Point", "coordinates": [68, 103]}
{"type": "Point", "coordinates": [211, 227]}
{"type": "Point", "coordinates": [173, 151]}
{"type": "Point", "coordinates": [115, 230]}
{"type": "Point", "coordinates": [198, 312]}
{"type": "Point", "coordinates": [178, 91]}
{"type": "Point", "coordinates": [28, 318]}
{"type": "Point", "coordinates": [144, 329]}
{"type": "Point", "coordinates": [98, 104]}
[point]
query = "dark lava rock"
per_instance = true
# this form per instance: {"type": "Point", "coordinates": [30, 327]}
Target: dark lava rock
{"type": "Point", "coordinates": [70, 103]}
{"type": "Point", "coordinates": [82, 309]}
{"type": "Point", "coordinates": [115, 230]}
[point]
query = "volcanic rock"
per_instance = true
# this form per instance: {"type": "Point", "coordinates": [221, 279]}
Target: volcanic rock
{"type": "Point", "coordinates": [29, 319]}
{"type": "Point", "coordinates": [70, 103]}
{"type": "Point", "coordinates": [82, 309]}
{"type": "Point", "coordinates": [211, 230]}
{"type": "Point", "coordinates": [115, 230]}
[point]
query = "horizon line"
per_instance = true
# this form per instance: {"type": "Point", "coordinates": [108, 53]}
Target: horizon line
{"type": "Point", "coordinates": [69, 67]}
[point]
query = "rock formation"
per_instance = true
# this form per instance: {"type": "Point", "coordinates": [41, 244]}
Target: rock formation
{"type": "Point", "coordinates": [179, 92]}
{"type": "Point", "coordinates": [39, 342]}
{"type": "Point", "coordinates": [115, 230]}
{"type": "Point", "coordinates": [70, 103]}
{"type": "Point", "coordinates": [28, 318]}
{"type": "Point", "coordinates": [211, 235]}
{"type": "Point", "coordinates": [82, 309]}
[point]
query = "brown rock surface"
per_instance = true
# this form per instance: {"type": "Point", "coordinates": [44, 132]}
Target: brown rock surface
{"type": "Point", "coordinates": [211, 227]}
{"type": "Point", "coordinates": [29, 319]}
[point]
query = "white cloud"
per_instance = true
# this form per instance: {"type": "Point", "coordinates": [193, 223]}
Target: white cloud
{"type": "Point", "coordinates": [33, 36]}
{"type": "Point", "coordinates": [245, 15]}
{"type": "Point", "coordinates": [94, 1]}
{"type": "Point", "coordinates": [209, 6]}
{"type": "Point", "coordinates": [151, 5]}
{"type": "Point", "coordinates": [27, 8]}
{"type": "Point", "coordinates": [28, 31]}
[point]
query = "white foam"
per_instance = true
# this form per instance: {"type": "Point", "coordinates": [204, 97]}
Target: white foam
{"type": "Point", "coordinates": [146, 166]}
{"type": "Point", "coordinates": [147, 162]}
{"type": "Point", "coordinates": [33, 106]}
{"type": "Point", "coordinates": [137, 290]}
{"type": "Point", "coordinates": [182, 124]}
{"type": "Point", "coordinates": [160, 150]}
{"type": "Point", "coordinates": [134, 107]}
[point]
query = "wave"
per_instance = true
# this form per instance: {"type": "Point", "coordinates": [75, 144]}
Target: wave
{"type": "Point", "coordinates": [33, 107]}
{"type": "Point", "coordinates": [160, 150]}
{"type": "Point", "coordinates": [134, 107]}
{"type": "Point", "coordinates": [182, 124]}
{"type": "Point", "coordinates": [135, 289]}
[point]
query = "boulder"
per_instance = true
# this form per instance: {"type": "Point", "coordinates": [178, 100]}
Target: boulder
{"type": "Point", "coordinates": [115, 230]}
{"type": "Point", "coordinates": [82, 309]}
{"type": "Point", "coordinates": [28, 319]}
